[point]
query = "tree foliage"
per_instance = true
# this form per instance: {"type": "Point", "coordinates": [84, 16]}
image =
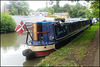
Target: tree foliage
{"type": "Point", "coordinates": [7, 23]}
{"type": "Point", "coordinates": [75, 11]}
{"type": "Point", "coordinates": [67, 15]}
{"type": "Point", "coordinates": [95, 8]}
{"type": "Point", "coordinates": [18, 8]}
{"type": "Point", "coordinates": [14, 11]}
{"type": "Point", "coordinates": [50, 10]}
{"type": "Point", "coordinates": [55, 7]}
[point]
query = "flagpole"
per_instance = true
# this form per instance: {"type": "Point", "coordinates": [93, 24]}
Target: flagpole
{"type": "Point", "coordinates": [28, 32]}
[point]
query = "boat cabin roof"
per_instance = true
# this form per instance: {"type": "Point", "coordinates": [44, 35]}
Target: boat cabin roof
{"type": "Point", "coordinates": [41, 19]}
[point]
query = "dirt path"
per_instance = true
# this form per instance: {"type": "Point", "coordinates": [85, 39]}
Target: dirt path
{"type": "Point", "coordinates": [96, 59]}
{"type": "Point", "coordinates": [92, 55]}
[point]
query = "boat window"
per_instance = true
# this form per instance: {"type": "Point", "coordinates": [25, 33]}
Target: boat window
{"type": "Point", "coordinates": [60, 31]}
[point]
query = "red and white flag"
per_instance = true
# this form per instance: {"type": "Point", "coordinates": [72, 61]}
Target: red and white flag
{"type": "Point", "coordinates": [20, 28]}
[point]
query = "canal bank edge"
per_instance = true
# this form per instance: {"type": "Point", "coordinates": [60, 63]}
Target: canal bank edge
{"type": "Point", "coordinates": [76, 49]}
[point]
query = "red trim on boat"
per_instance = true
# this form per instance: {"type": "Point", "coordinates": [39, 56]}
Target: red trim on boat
{"type": "Point", "coordinates": [43, 53]}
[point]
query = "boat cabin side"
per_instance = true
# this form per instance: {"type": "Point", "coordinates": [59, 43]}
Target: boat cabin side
{"type": "Point", "coordinates": [48, 33]}
{"type": "Point", "coordinates": [42, 34]}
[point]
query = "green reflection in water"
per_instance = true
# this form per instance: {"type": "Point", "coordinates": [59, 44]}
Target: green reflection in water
{"type": "Point", "coordinates": [8, 40]}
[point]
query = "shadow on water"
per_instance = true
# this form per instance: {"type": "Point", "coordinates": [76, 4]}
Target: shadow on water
{"type": "Point", "coordinates": [66, 41]}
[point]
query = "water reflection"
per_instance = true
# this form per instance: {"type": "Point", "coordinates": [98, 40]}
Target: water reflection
{"type": "Point", "coordinates": [8, 40]}
{"type": "Point", "coordinates": [12, 46]}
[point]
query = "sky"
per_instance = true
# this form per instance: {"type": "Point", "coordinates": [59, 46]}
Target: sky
{"type": "Point", "coordinates": [34, 5]}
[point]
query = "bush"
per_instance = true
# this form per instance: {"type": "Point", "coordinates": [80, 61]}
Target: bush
{"type": "Point", "coordinates": [7, 23]}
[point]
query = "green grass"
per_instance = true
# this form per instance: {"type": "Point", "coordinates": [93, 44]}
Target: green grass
{"type": "Point", "coordinates": [76, 48]}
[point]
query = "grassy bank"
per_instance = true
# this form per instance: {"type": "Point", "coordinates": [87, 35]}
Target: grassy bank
{"type": "Point", "coordinates": [76, 49]}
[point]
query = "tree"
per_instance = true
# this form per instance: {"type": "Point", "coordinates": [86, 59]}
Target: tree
{"type": "Point", "coordinates": [75, 11]}
{"type": "Point", "coordinates": [50, 10]}
{"type": "Point", "coordinates": [14, 11]}
{"type": "Point", "coordinates": [7, 23]}
{"type": "Point", "coordinates": [18, 8]}
{"type": "Point", "coordinates": [78, 5]}
{"type": "Point", "coordinates": [55, 7]}
{"type": "Point", "coordinates": [95, 8]}
{"type": "Point", "coordinates": [67, 8]}
{"type": "Point", "coordinates": [79, 11]}
{"type": "Point", "coordinates": [61, 9]}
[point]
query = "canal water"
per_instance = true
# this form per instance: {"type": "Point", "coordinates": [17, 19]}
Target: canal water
{"type": "Point", "coordinates": [12, 45]}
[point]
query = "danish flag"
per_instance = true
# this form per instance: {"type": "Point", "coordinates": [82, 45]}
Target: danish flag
{"type": "Point", "coordinates": [20, 28]}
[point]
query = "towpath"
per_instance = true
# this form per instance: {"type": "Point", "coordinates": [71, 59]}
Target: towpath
{"type": "Point", "coordinates": [92, 55]}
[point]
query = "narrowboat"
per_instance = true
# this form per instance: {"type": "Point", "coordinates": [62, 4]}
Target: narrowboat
{"type": "Point", "coordinates": [45, 34]}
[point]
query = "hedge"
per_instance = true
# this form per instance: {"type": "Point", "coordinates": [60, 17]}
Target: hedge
{"type": "Point", "coordinates": [7, 23]}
